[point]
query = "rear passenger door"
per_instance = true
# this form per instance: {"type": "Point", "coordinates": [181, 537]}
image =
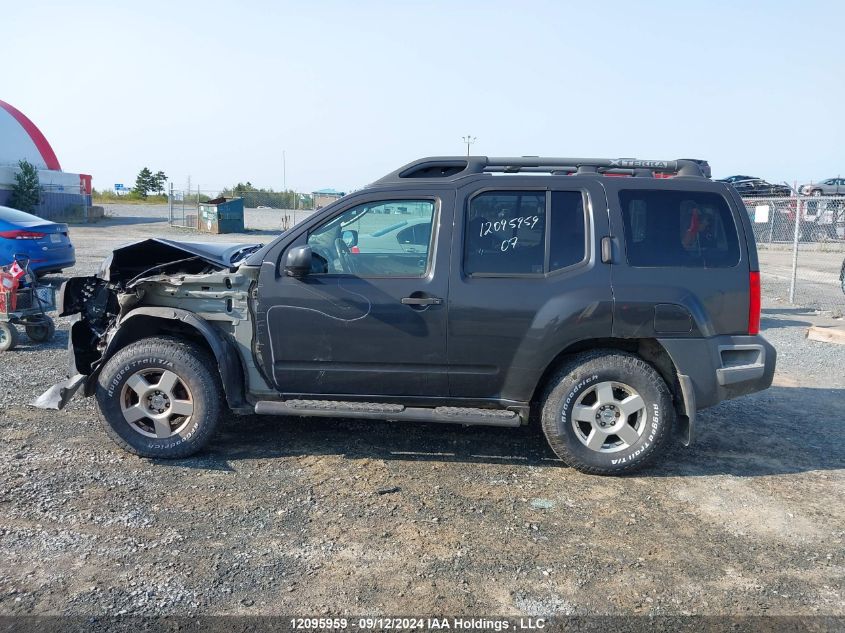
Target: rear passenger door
{"type": "Point", "coordinates": [679, 265]}
{"type": "Point", "coordinates": [526, 281]}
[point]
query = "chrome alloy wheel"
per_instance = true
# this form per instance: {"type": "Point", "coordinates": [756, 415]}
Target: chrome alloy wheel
{"type": "Point", "coordinates": [156, 403]}
{"type": "Point", "coordinates": [609, 417]}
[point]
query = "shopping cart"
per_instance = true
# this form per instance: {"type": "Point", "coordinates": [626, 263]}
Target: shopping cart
{"type": "Point", "coordinates": [25, 305]}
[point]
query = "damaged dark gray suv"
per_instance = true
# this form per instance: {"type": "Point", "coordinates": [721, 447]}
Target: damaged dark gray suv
{"type": "Point", "coordinates": [469, 290]}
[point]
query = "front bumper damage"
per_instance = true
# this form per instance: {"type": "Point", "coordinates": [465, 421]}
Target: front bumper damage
{"type": "Point", "coordinates": [98, 304]}
{"type": "Point", "coordinates": [57, 396]}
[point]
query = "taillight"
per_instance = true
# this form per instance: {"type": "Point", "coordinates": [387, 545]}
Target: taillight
{"type": "Point", "coordinates": [754, 303]}
{"type": "Point", "coordinates": [21, 235]}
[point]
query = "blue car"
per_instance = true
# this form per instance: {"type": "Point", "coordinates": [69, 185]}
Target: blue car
{"type": "Point", "coordinates": [46, 243]}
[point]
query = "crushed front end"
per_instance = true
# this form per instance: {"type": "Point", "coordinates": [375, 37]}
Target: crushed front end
{"type": "Point", "coordinates": [202, 279]}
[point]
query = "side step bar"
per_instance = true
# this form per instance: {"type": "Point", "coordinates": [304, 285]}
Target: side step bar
{"type": "Point", "coordinates": [382, 411]}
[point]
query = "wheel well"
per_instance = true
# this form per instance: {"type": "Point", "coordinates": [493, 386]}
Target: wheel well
{"type": "Point", "coordinates": [148, 325]}
{"type": "Point", "coordinates": [649, 349]}
{"type": "Point", "coordinates": [145, 326]}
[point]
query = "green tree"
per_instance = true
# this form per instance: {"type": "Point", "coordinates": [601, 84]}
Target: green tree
{"type": "Point", "coordinates": [144, 183]}
{"type": "Point", "coordinates": [159, 181]}
{"type": "Point", "coordinates": [26, 192]}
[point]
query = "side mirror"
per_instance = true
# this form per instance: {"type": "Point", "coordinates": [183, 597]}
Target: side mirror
{"type": "Point", "coordinates": [350, 236]}
{"type": "Point", "coordinates": [298, 261]}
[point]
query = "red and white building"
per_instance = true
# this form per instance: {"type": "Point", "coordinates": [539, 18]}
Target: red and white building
{"type": "Point", "coordinates": [20, 139]}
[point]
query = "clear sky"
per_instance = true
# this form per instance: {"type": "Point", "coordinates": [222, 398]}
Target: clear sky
{"type": "Point", "coordinates": [351, 90]}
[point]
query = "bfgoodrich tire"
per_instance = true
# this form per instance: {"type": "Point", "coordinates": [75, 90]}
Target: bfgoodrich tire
{"type": "Point", "coordinates": [160, 397]}
{"type": "Point", "coordinates": [607, 413]}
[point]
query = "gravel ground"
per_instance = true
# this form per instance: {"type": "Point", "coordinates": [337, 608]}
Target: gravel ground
{"type": "Point", "coordinates": [817, 283]}
{"type": "Point", "coordinates": [314, 516]}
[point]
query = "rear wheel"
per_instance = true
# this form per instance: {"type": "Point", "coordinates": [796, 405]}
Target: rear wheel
{"type": "Point", "coordinates": [607, 413]}
{"type": "Point", "coordinates": [160, 397]}
{"type": "Point", "coordinates": [8, 336]}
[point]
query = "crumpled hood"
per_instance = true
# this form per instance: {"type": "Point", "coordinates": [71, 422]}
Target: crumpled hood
{"type": "Point", "coordinates": [131, 259]}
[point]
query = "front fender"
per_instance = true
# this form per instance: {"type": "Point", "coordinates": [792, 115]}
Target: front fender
{"type": "Point", "coordinates": [141, 319]}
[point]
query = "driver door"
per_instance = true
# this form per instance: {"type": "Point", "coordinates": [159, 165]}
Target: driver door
{"type": "Point", "coordinates": [370, 318]}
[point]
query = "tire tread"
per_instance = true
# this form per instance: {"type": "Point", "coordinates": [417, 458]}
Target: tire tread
{"type": "Point", "coordinates": [199, 361]}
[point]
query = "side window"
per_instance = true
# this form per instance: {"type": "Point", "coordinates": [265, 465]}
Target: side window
{"type": "Point", "coordinates": [567, 230]}
{"type": "Point", "coordinates": [376, 239]}
{"type": "Point", "coordinates": [505, 233]}
{"type": "Point", "coordinates": [678, 229]}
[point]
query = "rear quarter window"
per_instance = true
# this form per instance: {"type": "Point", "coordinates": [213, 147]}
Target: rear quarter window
{"type": "Point", "coordinates": [678, 229]}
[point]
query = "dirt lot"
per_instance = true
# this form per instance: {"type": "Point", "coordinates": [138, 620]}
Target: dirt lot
{"type": "Point", "coordinates": [307, 516]}
{"type": "Point", "coordinates": [817, 283]}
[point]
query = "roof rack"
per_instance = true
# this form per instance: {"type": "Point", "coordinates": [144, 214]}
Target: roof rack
{"type": "Point", "coordinates": [453, 167]}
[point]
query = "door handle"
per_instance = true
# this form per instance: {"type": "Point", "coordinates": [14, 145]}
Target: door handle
{"type": "Point", "coordinates": [606, 250]}
{"type": "Point", "coordinates": [422, 301]}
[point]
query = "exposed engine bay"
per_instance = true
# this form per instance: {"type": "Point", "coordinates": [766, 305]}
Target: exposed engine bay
{"type": "Point", "coordinates": [154, 284]}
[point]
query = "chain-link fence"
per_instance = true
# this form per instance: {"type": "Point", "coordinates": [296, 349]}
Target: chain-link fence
{"type": "Point", "coordinates": [58, 203]}
{"type": "Point", "coordinates": [801, 244]}
{"type": "Point", "coordinates": [183, 207]}
{"type": "Point", "coordinates": [263, 210]}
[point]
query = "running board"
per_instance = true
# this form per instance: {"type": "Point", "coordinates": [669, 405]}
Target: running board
{"type": "Point", "coordinates": [383, 411]}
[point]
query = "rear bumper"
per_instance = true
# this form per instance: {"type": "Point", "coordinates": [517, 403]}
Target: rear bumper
{"type": "Point", "coordinates": [723, 367]}
{"type": "Point", "coordinates": [54, 265]}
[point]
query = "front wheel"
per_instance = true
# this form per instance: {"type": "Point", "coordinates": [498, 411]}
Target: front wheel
{"type": "Point", "coordinates": [607, 413]}
{"type": "Point", "coordinates": [160, 397]}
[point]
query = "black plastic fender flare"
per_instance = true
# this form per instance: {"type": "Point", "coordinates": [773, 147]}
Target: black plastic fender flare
{"type": "Point", "coordinates": [228, 360]}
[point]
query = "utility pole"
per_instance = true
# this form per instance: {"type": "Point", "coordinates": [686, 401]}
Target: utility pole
{"type": "Point", "coordinates": [469, 140]}
{"type": "Point", "coordinates": [284, 172]}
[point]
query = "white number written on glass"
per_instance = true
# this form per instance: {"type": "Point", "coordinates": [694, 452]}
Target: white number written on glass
{"type": "Point", "coordinates": [527, 221]}
{"type": "Point", "coordinates": [509, 244]}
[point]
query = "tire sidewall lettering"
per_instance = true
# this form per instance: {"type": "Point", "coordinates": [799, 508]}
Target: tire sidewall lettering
{"type": "Point", "coordinates": [653, 421]}
{"type": "Point", "coordinates": [570, 399]}
{"type": "Point", "coordinates": [151, 362]}
{"type": "Point", "coordinates": [133, 366]}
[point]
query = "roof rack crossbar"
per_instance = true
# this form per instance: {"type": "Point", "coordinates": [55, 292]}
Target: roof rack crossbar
{"type": "Point", "coordinates": [450, 167]}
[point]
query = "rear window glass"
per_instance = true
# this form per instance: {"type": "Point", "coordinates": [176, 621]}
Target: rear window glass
{"type": "Point", "coordinates": [13, 215]}
{"type": "Point", "coordinates": [678, 229]}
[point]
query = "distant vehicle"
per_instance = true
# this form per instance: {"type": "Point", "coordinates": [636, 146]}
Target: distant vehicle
{"type": "Point", "coordinates": [732, 179]}
{"type": "Point", "coordinates": [752, 186]}
{"type": "Point", "coordinates": [406, 236]}
{"type": "Point", "coordinates": [45, 243]}
{"type": "Point", "coordinates": [829, 187]}
{"type": "Point", "coordinates": [263, 207]}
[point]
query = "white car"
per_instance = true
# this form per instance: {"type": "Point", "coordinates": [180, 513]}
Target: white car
{"type": "Point", "coordinates": [406, 236]}
{"type": "Point", "coordinates": [829, 187]}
